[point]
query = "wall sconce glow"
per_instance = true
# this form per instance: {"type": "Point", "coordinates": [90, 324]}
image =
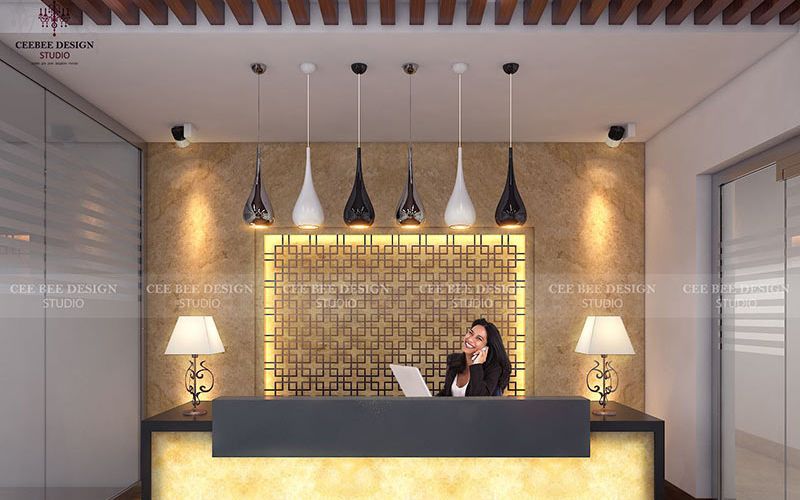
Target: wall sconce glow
{"type": "Point", "coordinates": [307, 213]}
{"type": "Point", "coordinates": [460, 212]}
{"type": "Point", "coordinates": [182, 134]}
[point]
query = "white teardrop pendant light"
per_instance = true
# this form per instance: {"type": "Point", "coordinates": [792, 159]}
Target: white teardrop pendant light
{"type": "Point", "coordinates": [460, 212]}
{"type": "Point", "coordinates": [307, 213]}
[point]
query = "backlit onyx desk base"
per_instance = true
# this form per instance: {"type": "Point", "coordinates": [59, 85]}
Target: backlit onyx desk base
{"type": "Point", "coordinates": [626, 460]}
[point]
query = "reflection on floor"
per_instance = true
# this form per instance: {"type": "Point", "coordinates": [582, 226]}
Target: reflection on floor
{"type": "Point", "coordinates": [760, 470]}
{"type": "Point", "coordinates": [57, 493]}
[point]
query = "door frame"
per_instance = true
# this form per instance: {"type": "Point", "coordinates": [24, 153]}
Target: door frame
{"type": "Point", "coordinates": [736, 171]}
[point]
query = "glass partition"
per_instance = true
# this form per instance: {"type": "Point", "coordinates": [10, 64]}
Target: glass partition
{"type": "Point", "coordinates": [753, 299]}
{"type": "Point", "coordinates": [70, 264]}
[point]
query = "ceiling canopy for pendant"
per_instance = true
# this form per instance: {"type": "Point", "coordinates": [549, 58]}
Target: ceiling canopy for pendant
{"type": "Point", "coordinates": [409, 209]}
{"type": "Point", "coordinates": [358, 212]}
{"type": "Point", "coordinates": [510, 210]}
{"type": "Point", "coordinates": [257, 208]}
{"type": "Point", "coordinates": [460, 212]}
{"type": "Point", "coordinates": [307, 213]}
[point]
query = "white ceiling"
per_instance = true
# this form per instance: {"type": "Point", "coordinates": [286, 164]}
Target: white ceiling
{"type": "Point", "coordinates": [571, 84]}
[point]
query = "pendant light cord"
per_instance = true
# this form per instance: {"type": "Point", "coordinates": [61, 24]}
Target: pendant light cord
{"type": "Point", "coordinates": [459, 110]}
{"type": "Point", "coordinates": [359, 110]}
{"type": "Point", "coordinates": [258, 112]}
{"type": "Point", "coordinates": [409, 111]}
{"type": "Point", "coordinates": [510, 109]}
{"type": "Point", "coordinates": [308, 110]}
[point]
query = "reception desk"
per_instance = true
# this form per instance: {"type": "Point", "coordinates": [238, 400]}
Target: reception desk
{"type": "Point", "coordinates": [402, 448]}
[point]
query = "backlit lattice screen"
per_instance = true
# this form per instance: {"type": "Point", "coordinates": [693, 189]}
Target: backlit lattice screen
{"type": "Point", "coordinates": [340, 308]}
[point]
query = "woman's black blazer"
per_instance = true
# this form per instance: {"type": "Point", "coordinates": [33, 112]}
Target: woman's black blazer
{"type": "Point", "coordinates": [483, 378]}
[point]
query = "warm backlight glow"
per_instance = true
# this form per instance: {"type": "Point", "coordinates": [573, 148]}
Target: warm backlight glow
{"type": "Point", "coordinates": [308, 227]}
{"type": "Point", "coordinates": [389, 267]}
{"type": "Point", "coordinates": [620, 466]}
{"type": "Point", "coordinates": [460, 227]}
{"type": "Point", "coordinates": [359, 226]}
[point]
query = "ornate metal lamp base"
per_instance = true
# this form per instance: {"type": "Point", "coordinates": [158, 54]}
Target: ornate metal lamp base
{"type": "Point", "coordinates": [610, 382]}
{"type": "Point", "coordinates": [194, 412]}
{"type": "Point", "coordinates": [190, 381]}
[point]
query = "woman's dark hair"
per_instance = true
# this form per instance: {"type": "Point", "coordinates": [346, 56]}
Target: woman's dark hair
{"type": "Point", "coordinates": [497, 353]}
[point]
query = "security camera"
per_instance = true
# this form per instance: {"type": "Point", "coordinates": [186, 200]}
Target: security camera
{"type": "Point", "coordinates": [181, 134]}
{"type": "Point", "coordinates": [618, 133]}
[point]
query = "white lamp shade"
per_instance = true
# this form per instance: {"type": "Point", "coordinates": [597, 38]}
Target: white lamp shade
{"type": "Point", "coordinates": [307, 213]}
{"type": "Point", "coordinates": [195, 335]}
{"type": "Point", "coordinates": [604, 335]}
{"type": "Point", "coordinates": [460, 212]}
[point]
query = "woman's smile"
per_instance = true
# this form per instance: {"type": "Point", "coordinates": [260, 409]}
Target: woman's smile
{"type": "Point", "coordinates": [474, 339]}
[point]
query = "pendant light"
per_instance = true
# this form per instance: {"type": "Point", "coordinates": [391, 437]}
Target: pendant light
{"type": "Point", "coordinates": [258, 209]}
{"type": "Point", "coordinates": [410, 213]}
{"type": "Point", "coordinates": [460, 213]}
{"type": "Point", "coordinates": [358, 212]}
{"type": "Point", "coordinates": [510, 210]}
{"type": "Point", "coordinates": [307, 213]}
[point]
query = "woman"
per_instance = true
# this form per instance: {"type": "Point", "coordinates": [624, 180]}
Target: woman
{"type": "Point", "coordinates": [482, 368]}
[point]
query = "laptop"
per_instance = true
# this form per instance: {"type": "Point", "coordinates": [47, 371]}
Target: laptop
{"type": "Point", "coordinates": [411, 381]}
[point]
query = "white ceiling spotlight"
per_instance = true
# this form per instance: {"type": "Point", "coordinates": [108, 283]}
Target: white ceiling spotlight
{"type": "Point", "coordinates": [182, 134]}
{"type": "Point", "coordinates": [618, 133]}
{"type": "Point", "coordinates": [307, 213]}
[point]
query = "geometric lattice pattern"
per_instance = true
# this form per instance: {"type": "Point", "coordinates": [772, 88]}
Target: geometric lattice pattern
{"type": "Point", "coordinates": [340, 308]}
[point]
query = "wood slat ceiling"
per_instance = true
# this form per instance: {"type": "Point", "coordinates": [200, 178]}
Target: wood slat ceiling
{"type": "Point", "coordinates": [591, 12]}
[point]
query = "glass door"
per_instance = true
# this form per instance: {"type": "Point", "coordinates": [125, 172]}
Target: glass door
{"type": "Point", "coordinates": [752, 303]}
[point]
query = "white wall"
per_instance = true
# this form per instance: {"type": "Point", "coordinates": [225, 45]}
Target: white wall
{"type": "Point", "coordinates": [758, 108]}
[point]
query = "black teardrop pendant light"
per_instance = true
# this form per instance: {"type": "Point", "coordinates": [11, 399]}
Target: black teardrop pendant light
{"type": "Point", "coordinates": [358, 212]}
{"type": "Point", "coordinates": [409, 210]}
{"type": "Point", "coordinates": [510, 210]}
{"type": "Point", "coordinates": [258, 209]}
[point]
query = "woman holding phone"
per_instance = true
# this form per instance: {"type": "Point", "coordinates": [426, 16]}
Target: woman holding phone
{"type": "Point", "coordinates": [482, 368]}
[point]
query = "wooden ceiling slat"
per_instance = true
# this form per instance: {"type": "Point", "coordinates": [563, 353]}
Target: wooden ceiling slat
{"type": "Point", "coordinates": [591, 10]}
{"type": "Point", "coordinates": [242, 10]}
{"type": "Point", "coordinates": [271, 10]}
{"type": "Point", "coordinates": [155, 10]}
{"type": "Point", "coordinates": [447, 10]}
{"type": "Point", "coordinates": [679, 10]}
{"type": "Point", "coordinates": [620, 10]}
{"type": "Point", "coordinates": [504, 11]}
{"type": "Point", "coordinates": [475, 9]}
{"type": "Point", "coordinates": [126, 11]}
{"type": "Point", "coordinates": [358, 12]}
{"type": "Point", "coordinates": [96, 10]}
{"type": "Point", "coordinates": [791, 14]}
{"type": "Point", "coordinates": [214, 10]}
{"type": "Point", "coordinates": [765, 12]}
{"type": "Point", "coordinates": [74, 15]}
{"type": "Point", "coordinates": [416, 12]}
{"type": "Point", "coordinates": [388, 12]}
{"type": "Point", "coordinates": [330, 11]}
{"type": "Point", "coordinates": [184, 10]}
{"type": "Point", "coordinates": [708, 10]}
{"type": "Point", "coordinates": [738, 10]}
{"type": "Point", "coordinates": [301, 11]}
{"type": "Point", "coordinates": [649, 10]}
{"type": "Point", "coordinates": [532, 11]}
{"type": "Point", "coordinates": [562, 10]}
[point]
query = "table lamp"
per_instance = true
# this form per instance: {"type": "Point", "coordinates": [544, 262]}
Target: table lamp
{"type": "Point", "coordinates": [194, 335]}
{"type": "Point", "coordinates": [603, 335]}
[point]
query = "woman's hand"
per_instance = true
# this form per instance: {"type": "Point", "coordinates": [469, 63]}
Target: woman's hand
{"type": "Point", "coordinates": [480, 359]}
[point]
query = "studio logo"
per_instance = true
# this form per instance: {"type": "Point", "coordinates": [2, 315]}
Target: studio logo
{"type": "Point", "coordinates": [54, 16]}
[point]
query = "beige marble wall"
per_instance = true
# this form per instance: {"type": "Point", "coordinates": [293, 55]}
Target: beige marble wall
{"type": "Point", "coordinates": [585, 203]}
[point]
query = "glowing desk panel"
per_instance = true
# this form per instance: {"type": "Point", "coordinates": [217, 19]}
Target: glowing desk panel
{"type": "Point", "coordinates": [626, 462]}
